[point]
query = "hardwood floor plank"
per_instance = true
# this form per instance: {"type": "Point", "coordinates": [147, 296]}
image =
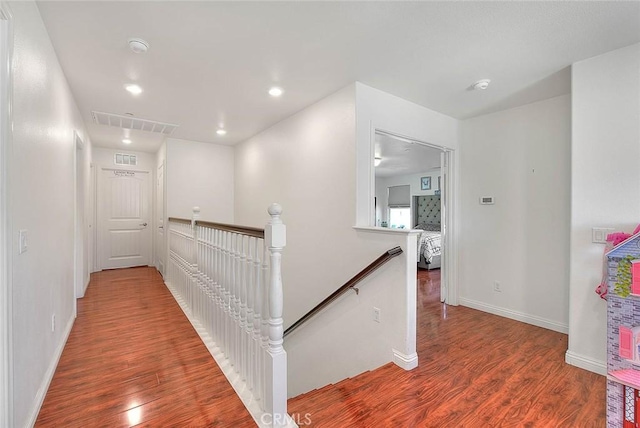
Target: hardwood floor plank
{"type": "Point", "coordinates": [475, 370]}
{"type": "Point", "coordinates": [132, 358]}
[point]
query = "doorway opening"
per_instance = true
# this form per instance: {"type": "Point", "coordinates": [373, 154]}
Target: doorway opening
{"type": "Point", "coordinates": [413, 190]}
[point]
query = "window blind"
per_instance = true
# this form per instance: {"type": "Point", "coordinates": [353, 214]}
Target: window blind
{"type": "Point", "coordinates": [399, 196]}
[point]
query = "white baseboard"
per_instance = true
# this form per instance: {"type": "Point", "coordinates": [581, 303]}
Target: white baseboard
{"type": "Point", "coordinates": [407, 362]}
{"type": "Point", "coordinates": [86, 284]}
{"type": "Point", "coordinates": [48, 376]}
{"type": "Point", "coordinates": [239, 385]}
{"type": "Point", "coordinates": [596, 366]}
{"type": "Point", "coordinates": [515, 315]}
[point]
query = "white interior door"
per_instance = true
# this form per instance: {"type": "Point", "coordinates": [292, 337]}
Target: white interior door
{"type": "Point", "coordinates": [124, 238]}
{"type": "Point", "coordinates": [160, 244]}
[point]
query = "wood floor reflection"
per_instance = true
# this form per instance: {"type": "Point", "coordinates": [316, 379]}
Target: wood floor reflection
{"type": "Point", "coordinates": [475, 370]}
{"type": "Point", "coordinates": [133, 358]}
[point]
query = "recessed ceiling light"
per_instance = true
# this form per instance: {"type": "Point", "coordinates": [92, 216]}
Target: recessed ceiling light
{"type": "Point", "coordinates": [221, 131]}
{"type": "Point", "coordinates": [481, 84]}
{"type": "Point", "coordinates": [133, 89]}
{"type": "Point", "coordinates": [275, 91]}
{"type": "Point", "coordinates": [126, 141]}
{"type": "Point", "coordinates": [138, 45]}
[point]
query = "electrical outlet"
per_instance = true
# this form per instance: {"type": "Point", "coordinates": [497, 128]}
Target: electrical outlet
{"type": "Point", "coordinates": [53, 323]}
{"type": "Point", "coordinates": [376, 314]}
{"type": "Point", "coordinates": [497, 287]}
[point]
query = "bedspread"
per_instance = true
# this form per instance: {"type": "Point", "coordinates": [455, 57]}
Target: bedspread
{"type": "Point", "coordinates": [429, 245]}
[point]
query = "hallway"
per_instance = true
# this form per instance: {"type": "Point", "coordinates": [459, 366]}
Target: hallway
{"type": "Point", "coordinates": [135, 359]}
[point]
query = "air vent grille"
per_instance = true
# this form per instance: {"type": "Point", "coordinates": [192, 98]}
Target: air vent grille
{"type": "Point", "coordinates": [128, 122]}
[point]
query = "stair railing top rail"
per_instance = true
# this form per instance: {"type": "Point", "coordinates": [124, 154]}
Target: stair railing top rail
{"type": "Point", "coordinates": [384, 258]}
{"type": "Point", "coordinates": [243, 230]}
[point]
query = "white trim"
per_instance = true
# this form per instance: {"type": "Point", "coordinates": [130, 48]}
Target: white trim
{"type": "Point", "coordinates": [387, 230]}
{"type": "Point", "coordinates": [78, 225]}
{"type": "Point", "coordinates": [48, 376]}
{"type": "Point", "coordinates": [586, 363]}
{"type": "Point", "coordinates": [6, 246]}
{"type": "Point", "coordinates": [234, 378]}
{"type": "Point", "coordinates": [406, 362]}
{"type": "Point", "coordinates": [515, 315]}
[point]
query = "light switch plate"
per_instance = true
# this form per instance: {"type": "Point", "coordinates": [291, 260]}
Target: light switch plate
{"type": "Point", "coordinates": [599, 234]}
{"type": "Point", "coordinates": [22, 241]}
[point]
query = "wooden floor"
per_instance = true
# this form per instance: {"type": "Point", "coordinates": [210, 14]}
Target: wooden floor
{"type": "Point", "coordinates": [133, 358]}
{"type": "Point", "coordinates": [475, 370]}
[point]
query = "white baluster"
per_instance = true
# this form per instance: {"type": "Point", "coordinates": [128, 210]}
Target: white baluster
{"type": "Point", "coordinates": [257, 321]}
{"type": "Point", "coordinates": [264, 322]}
{"type": "Point", "coordinates": [237, 335]}
{"type": "Point", "coordinates": [227, 295]}
{"type": "Point", "coordinates": [242, 282]}
{"type": "Point", "coordinates": [249, 326]}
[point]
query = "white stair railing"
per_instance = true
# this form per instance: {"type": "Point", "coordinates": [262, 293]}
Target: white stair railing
{"type": "Point", "coordinates": [228, 281]}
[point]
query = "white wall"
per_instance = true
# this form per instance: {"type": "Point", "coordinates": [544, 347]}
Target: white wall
{"type": "Point", "coordinates": [306, 163]}
{"type": "Point", "coordinates": [521, 157]}
{"type": "Point", "coordinates": [200, 174]}
{"type": "Point", "coordinates": [40, 201]}
{"type": "Point", "coordinates": [386, 112]}
{"type": "Point", "coordinates": [605, 188]}
{"type": "Point", "coordinates": [413, 180]}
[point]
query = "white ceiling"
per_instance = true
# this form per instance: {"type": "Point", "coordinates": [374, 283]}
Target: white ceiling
{"type": "Point", "coordinates": [212, 63]}
{"type": "Point", "coordinates": [403, 157]}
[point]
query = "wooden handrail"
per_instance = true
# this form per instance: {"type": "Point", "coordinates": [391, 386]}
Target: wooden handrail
{"type": "Point", "coordinates": [243, 230]}
{"type": "Point", "coordinates": [180, 220]}
{"type": "Point", "coordinates": [388, 255]}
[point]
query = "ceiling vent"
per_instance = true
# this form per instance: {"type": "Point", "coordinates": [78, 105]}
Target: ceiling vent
{"type": "Point", "coordinates": [128, 122]}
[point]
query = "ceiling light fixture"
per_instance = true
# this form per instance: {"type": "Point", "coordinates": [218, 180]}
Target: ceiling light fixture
{"type": "Point", "coordinates": [221, 132]}
{"type": "Point", "coordinates": [481, 84]}
{"type": "Point", "coordinates": [275, 91]}
{"type": "Point", "coordinates": [138, 45]}
{"type": "Point", "coordinates": [377, 161]}
{"type": "Point", "coordinates": [126, 141]}
{"type": "Point", "coordinates": [133, 89]}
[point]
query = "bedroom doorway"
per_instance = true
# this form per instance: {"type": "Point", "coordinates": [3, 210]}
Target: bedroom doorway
{"type": "Point", "coordinates": [412, 190]}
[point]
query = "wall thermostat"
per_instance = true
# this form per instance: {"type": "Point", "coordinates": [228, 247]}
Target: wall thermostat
{"type": "Point", "coordinates": [487, 200]}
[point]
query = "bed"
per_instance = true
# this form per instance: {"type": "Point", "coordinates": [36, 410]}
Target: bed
{"type": "Point", "coordinates": [428, 220]}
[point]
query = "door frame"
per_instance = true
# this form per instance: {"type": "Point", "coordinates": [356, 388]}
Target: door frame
{"type": "Point", "coordinates": [79, 262]}
{"type": "Point", "coordinates": [449, 267]}
{"type": "Point", "coordinates": [159, 245]}
{"type": "Point", "coordinates": [98, 224]}
{"type": "Point", "coordinates": [6, 242]}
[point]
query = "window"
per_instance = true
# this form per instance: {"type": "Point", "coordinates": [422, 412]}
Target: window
{"type": "Point", "coordinates": [400, 218]}
{"type": "Point", "coordinates": [123, 159]}
{"type": "Point", "coordinates": [400, 207]}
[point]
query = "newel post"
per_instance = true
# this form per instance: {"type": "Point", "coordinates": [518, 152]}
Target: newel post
{"type": "Point", "coordinates": [275, 237]}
